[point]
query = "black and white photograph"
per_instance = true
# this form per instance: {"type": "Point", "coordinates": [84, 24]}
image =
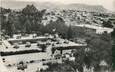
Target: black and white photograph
{"type": "Point", "coordinates": [57, 35]}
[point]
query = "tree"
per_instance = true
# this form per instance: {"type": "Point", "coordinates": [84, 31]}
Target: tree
{"type": "Point", "coordinates": [29, 10]}
{"type": "Point", "coordinates": [55, 67]}
{"type": "Point", "coordinates": [27, 26]}
{"type": "Point", "coordinates": [21, 66]}
{"type": "Point", "coordinates": [59, 25]}
{"type": "Point", "coordinates": [9, 29]}
{"type": "Point", "coordinates": [70, 32]}
{"type": "Point", "coordinates": [107, 24]}
{"type": "Point", "coordinates": [100, 50]}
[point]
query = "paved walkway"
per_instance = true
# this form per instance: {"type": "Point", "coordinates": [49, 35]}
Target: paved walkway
{"type": "Point", "coordinates": [2, 66]}
{"type": "Point", "coordinates": [6, 43]}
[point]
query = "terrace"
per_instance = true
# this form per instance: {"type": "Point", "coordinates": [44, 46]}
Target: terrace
{"type": "Point", "coordinates": [28, 37]}
{"type": "Point", "coordinates": [21, 48]}
{"type": "Point", "coordinates": [19, 43]}
{"type": "Point", "coordinates": [16, 50]}
{"type": "Point", "coordinates": [65, 44]}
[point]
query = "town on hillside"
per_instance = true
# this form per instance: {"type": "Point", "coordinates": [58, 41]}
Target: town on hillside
{"type": "Point", "coordinates": [56, 40]}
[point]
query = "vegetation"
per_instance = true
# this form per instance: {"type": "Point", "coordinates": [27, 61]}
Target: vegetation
{"type": "Point", "coordinates": [19, 52]}
{"type": "Point", "coordinates": [113, 49]}
{"type": "Point", "coordinates": [55, 67]}
{"type": "Point", "coordinates": [29, 20]}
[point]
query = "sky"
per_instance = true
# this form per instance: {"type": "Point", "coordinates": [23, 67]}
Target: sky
{"type": "Point", "coordinates": [108, 4]}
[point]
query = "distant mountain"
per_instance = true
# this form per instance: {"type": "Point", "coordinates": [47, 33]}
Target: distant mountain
{"type": "Point", "coordinates": [21, 4]}
{"type": "Point", "coordinates": [84, 7]}
{"type": "Point", "coordinates": [14, 4]}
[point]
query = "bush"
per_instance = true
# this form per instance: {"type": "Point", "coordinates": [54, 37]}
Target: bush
{"type": "Point", "coordinates": [32, 61]}
{"type": "Point", "coordinates": [19, 52]}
